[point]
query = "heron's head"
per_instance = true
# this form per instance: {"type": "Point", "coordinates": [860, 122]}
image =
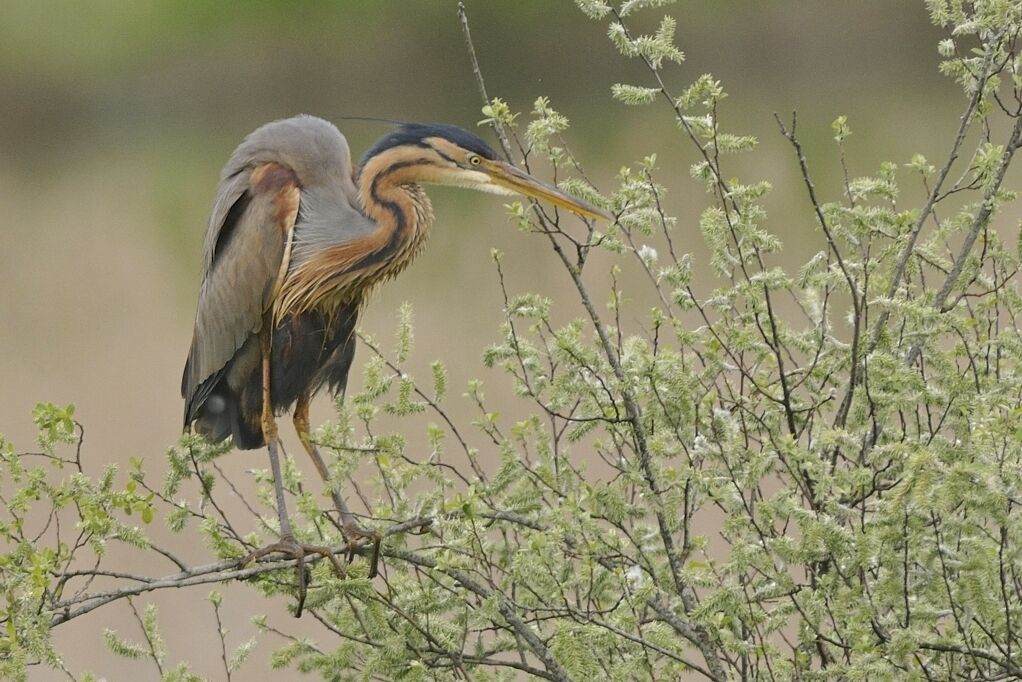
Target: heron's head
{"type": "Point", "coordinates": [440, 154]}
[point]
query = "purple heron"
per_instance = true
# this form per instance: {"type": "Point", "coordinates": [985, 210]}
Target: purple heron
{"type": "Point", "coordinates": [297, 238]}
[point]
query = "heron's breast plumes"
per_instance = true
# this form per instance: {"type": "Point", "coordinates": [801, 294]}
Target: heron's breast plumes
{"type": "Point", "coordinates": [345, 272]}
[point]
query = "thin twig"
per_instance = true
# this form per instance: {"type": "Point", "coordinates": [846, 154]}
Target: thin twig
{"type": "Point", "coordinates": [710, 649]}
{"type": "Point", "coordinates": [986, 71]}
{"type": "Point", "coordinates": [497, 126]}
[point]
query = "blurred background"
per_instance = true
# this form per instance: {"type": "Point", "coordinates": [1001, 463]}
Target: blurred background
{"type": "Point", "coordinates": [116, 116]}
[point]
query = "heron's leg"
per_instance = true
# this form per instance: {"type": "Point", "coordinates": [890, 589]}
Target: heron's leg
{"type": "Point", "coordinates": [349, 525]}
{"type": "Point", "coordinates": [269, 424]}
{"type": "Point", "coordinates": [287, 543]}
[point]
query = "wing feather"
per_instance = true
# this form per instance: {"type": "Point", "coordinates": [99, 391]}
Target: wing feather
{"type": "Point", "coordinates": [247, 247]}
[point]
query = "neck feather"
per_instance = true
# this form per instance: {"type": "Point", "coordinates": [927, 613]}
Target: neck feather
{"type": "Point", "coordinates": [391, 196]}
{"type": "Point", "coordinates": [402, 214]}
{"type": "Point", "coordinates": [388, 184]}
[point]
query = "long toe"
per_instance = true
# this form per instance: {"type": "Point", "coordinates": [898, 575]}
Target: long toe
{"type": "Point", "coordinates": [357, 537]}
{"type": "Point", "coordinates": [296, 550]}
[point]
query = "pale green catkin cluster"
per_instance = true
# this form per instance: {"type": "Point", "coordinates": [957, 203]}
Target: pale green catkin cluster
{"type": "Point", "coordinates": [763, 474]}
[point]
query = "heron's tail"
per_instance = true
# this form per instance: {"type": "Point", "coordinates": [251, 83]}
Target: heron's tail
{"type": "Point", "coordinates": [221, 415]}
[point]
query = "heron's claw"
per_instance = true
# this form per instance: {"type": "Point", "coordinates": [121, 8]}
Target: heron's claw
{"type": "Point", "coordinates": [356, 537]}
{"type": "Point", "coordinates": [298, 551]}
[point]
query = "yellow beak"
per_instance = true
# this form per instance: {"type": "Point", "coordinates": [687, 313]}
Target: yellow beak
{"type": "Point", "coordinates": [509, 177]}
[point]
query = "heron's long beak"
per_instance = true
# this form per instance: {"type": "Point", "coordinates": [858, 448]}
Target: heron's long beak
{"type": "Point", "coordinates": [506, 175]}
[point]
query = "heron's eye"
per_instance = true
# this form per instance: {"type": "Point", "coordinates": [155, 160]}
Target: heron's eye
{"type": "Point", "coordinates": [475, 160]}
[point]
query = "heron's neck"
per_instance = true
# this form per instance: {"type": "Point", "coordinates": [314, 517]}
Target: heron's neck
{"type": "Point", "coordinates": [344, 272]}
{"type": "Point", "coordinates": [390, 194]}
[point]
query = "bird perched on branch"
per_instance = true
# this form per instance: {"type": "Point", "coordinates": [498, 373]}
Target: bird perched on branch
{"type": "Point", "coordinates": [297, 238]}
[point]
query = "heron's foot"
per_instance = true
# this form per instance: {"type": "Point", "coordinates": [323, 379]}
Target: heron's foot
{"type": "Point", "coordinates": [298, 551]}
{"type": "Point", "coordinates": [358, 537]}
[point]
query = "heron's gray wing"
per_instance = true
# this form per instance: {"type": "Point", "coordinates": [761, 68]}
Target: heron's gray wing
{"type": "Point", "coordinates": [246, 250]}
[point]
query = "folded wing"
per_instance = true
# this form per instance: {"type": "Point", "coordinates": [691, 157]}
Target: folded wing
{"type": "Point", "coordinates": [247, 249]}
